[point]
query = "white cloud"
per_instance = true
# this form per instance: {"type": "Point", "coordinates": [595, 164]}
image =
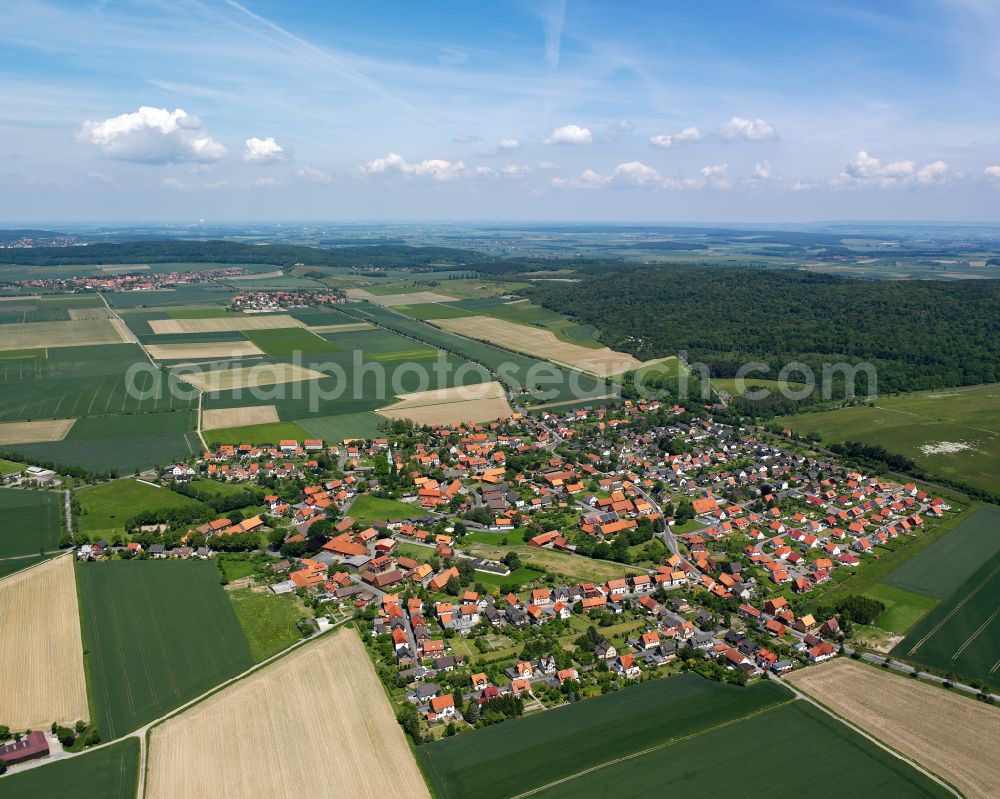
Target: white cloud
{"type": "Point", "coordinates": [866, 170]}
{"type": "Point", "coordinates": [465, 138]}
{"type": "Point", "coordinates": [100, 177]}
{"type": "Point", "coordinates": [486, 172]}
{"type": "Point", "coordinates": [435, 168]}
{"type": "Point", "coordinates": [749, 129]}
{"type": "Point", "coordinates": [763, 171]}
{"type": "Point", "coordinates": [172, 183]}
{"type": "Point", "coordinates": [314, 175]}
{"type": "Point", "coordinates": [508, 144]}
{"type": "Point", "coordinates": [263, 182]}
{"type": "Point", "coordinates": [263, 151]}
{"type": "Point", "coordinates": [515, 171]}
{"type": "Point", "coordinates": [623, 126]}
{"type": "Point", "coordinates": [631, 173]}
{"type": "Point", "coordinates": [547, 165]}
{"type": "Point", "coordinates": [803, 185]}
{"type": "Point", "coordinates": [992, 172]}
{"type": "Point", "coordinates": [152, 135]}
{"type": "Point", "coordinates": [686, 136]}
{"type": "Point", "coordinates": [717, 176]}
{"type": "Point", "coordinates": [569, 134]}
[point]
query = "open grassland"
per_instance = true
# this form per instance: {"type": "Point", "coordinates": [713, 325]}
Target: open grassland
{"type": "Point", "coordinates": [264, 374]}
{"type": "Point", "coordinates": [29, 521]}
{"type": "Point", "coordinates": [33, 432]}
{"type": "Point", "coordinates": [111, 772]}
{"type": "Point", "coordinates": [815, 750]}
{"type": "Point", "coordinates": [286, 341]}
{"type": "Point", "coordinates": [62, 334]}
{"type": "Point", "coordinates": [264, 735]}
{"type": "Point", "coordinates": [476, 403]}
{"type": "Point", "coordinates": [238, 417]}
{"type": "Point", "coordinates": [554, 745]}
{"type": "Point", "coordinates": [367, 508]}
{"type": "Point", "coordinates": [952, 735]}
{"type": "Point", "coordinates": [559, 563]}
{"type": "Point", "coordinates": [903, 608]}
{"type": "Point", "coordinates": [962, 634]}
{"type": "Point", "coordinates": [220, 324]}
{"type": "Point", "coordinates": [107, 507]}
{"type": "Point", "coordinates": [541, 343]}
{"type": "Point", "coordinates": [208, 349]}
{"type": "Point", "coordinates": [41, 651]}
{"type": "Point", "coordinates": [159, 633]}
{"type": "Point", "coordinates": [267, 620]}
{"type": "Point", "coordinates": [951, 432]}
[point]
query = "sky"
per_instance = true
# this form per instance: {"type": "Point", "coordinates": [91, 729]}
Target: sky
{"type": "Point", "coordinates": [180, 111]}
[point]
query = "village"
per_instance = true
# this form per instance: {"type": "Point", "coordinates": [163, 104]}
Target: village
{"type": "Point", "coordinates": [501, 568]}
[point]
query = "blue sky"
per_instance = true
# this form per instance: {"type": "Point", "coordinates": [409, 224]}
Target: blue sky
{"type": "Point", "coordinates": [180, 110]}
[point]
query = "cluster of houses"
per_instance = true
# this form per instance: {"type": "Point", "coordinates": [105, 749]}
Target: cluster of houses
{"type": "Point", "coordinates": [283, 300]}
{"type": "Point", "coordinates": [131, 277]}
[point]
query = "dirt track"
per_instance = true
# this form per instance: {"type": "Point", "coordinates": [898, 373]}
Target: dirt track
{"type": "Point", "coordinates": [315, 723]}
{"type": "Point", "coordinates": [952, 735]}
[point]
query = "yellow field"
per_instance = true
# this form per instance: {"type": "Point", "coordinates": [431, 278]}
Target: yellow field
{"type": "Point", "coordinates": [34, 432]}
{"type": "Point", "coordinates": [41, 649]}
{"type": "Point", "coordinates": [238, 417]}
{"type": "Point", "coordinates": [315, 723]}
{"type": "Point", "coordinates": [483, 402]}
{"type": "Point", "coordinates": [211, 349]}
{"type": "Point", "coordinates": [348, 327]}
{"type": "Point", "coordinates": [257, 275]}
{"type": "Point", "coordinates": [412, 298]}
{"type": "Point", "coordinates": [262, 374]}
{"type": "Point", "coordinates": [78, 333]}
{"type": "Point", "coordinates": [954, 736]}
{"type": "Point", "coordinates": [540, 343]}
{"type": "Point", "coordinates": [219, 324]}
{"type": "Point", "coordinates": [112, 269]}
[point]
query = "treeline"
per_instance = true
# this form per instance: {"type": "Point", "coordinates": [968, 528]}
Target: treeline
{"type": "Point", "coordinates": [231, 252]}
{"type": "Point", "coordinates": [917, 334]}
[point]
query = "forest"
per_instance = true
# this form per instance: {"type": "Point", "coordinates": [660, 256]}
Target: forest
{"type": "Point", "coordinates": [918, 334]}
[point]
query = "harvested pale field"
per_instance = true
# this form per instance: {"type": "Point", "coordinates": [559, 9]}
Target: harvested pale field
{"type": "Point", "coordinates": [238, 417]}
{"type": "Point", "coordinates": [21, 298]}
{"type": "Point", "coordinates": [220, 324]}
{"type": "Point", "coordinates": [482, 402]}
{"type": "Point", "coordinates": [78, 333]}
{"type": "Point", "coordinates": [539, 343]}
{"type": "Point", "coordinates": [316, 722]}
{"type": "Point", "coordinates": [112, 269]}
{"type": "Point", "coordinates": [952, 735]}
{"type": "Point", "coordinates": [34, 432]}
{"type": "Point", "coordinates": [41, 649]}
{"type": "Point", "coordinates": [348, 327]}
{"type": "Point", "coordinates": [411, 298]}
{"type": "Point", "coordinates": [90, 313]}
{"type": "Point", "coordinates": [210, 349]}
{"type": "Point", "coordinates": [263, 374]}
{"type": "Point", "coordinates": [257, 275]}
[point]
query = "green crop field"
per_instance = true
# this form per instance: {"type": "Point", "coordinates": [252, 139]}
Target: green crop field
{"type": "Point", "coordinates": [962, 634]}
{"type": "Point", "coordinates": [342, 426]}
{"type": "Point", "coordinates": [270, 433]}
{"type": "Point", "coordinates": [287, 341]}
{"type": "Point", "coordinates": [268, 621]}
{"type": "Point", "coordinates": [951, 432]}
{"type": "Point", "coordinates": [601, 729]}
{"type": "Point", "coordinates": [29, 521]}
{"type": "Point", "coordinates": [434, 310]}
{"type": "Point", "coordinates": [940, 569]}
{"type": "Point", "coordinates": [10, 565]}
{"type": "Point", "coordinates": [366, 509]}
{"type": "Point", "coordinates": [105, 508]}
{"type": "Point", "coordinates": [158, 634]}
{"type": "Point", "coordinates": [108, 773]}
{"type": "Point", "coordinates": [815, 750]}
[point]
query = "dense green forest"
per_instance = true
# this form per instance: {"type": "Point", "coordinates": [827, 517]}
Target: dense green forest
{"type": "Point", "coordinates": [229, 252]}
{"type": "Point", "coordinates": [918, 334]}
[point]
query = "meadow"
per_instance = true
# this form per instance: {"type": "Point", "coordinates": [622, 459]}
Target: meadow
{"type": "Point", "coordinates": [267, 620]}
{"type": "Point", "coordinates": [601, 729]}
{"type": "Point", "coordinates": [107, 507]}
{"type": "Point", "coordinates": [158, 633]}
{"type": "Point", "coordinates": [952, 432]}
{"type": "Point", "coordinates": [367, 508]}
{"type": "Point", "coordinates": [29, 521]}
{"type": "Point", "coordinates": [108, 773]}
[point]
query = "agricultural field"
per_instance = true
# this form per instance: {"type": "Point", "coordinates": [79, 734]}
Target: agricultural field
{"type": "Point", "coordinates": [41, 651]}
{"type": "Point", "coordinates": [952, 432]}
{"type": "Point", "coordinates": [29, 521]}
{"type": "Point", "coordinates": [10, 566]}
{"type": "Point", "coordinates": [267, 620]}
{"type": "Point", "coordinates": [223, 324]}
{"type": "Point", "coordinates": [239, 417]}
{"type": "Point", "coordinates": [105, 508]}
{"type": "Point", "coordinates": [603, 728]}
{"type": "Point", "coordinates": [256, 434]}
{"type": "Point", "coordinates": [14, 433]}
{"type": "Point", "coordinates": [69, 333]}
{"type": "Point", "coordinates": [367, 508]}
{"type": "Point", "coordinates": [909, 716]}
{"type": "Point", "coordinates": [159, 633]}
{"type": "Point", "coordinates": [481, 403]}
{"type": "Point", "coordinates": [542, 343]}
{"type": "Point", "coordinates": [573, 566]}
{"type": "Point", "coordinates": [239, 377]}
{"type": "Point", "coordinates": [342, 427]}
{"type": "Point", "coordinates": [398, 295]}
{"type": "Point", "coordinates": [262, 735]}
{"type": "Point", "coordinates": [196, 351]}
{"type": "Point", "coordinates": [111, 772]}
{"type": "Point", "coordinates": [282, 342]}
